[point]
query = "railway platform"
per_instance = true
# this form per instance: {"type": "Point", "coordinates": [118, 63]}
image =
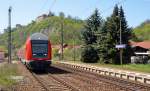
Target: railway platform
{"type": "Point", "coordinates": [125, 74]}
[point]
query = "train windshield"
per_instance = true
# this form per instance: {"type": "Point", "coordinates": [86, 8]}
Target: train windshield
{"type": "Point", "coordinates": [39, 49]}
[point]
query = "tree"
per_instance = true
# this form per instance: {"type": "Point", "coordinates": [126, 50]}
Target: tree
{"type": "Point", "coordinates": [126, 32]}
{"type": "Point", "coordinates": [109, 37]}
{"type": "Point", "coordinates": [51, 14]}
{"type": "Point", "coordinates": [126, 36]}
{"type": "Point", "coordinates": [93, 24]}
{"type": "Point", "coordinates": [69, 17]}
{"type": "Point", "coordinates": [61, 14]}
{"type": "Point", "coordinates": [89, 54]}
{"type": "Point", "coordinates": [112, 27]}
{"type": "Point", "coordinates": [105, 49]}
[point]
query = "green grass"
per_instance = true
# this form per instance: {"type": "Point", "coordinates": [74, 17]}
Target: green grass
{"type": "Point", "coordinates": [130, 67]}
{"type": "Point", "coordinates": [6, 71]}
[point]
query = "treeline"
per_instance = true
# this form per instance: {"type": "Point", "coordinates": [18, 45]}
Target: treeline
{"type": "Point", "coordinates": [101, 36]}
{"type": "Point", "coordinates": [49, 26]}
{"type": "Point", "coordinates": [142, 32]}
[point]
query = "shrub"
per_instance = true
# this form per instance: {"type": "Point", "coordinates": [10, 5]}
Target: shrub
{"type": "Point", "coordinates": [89, 54]}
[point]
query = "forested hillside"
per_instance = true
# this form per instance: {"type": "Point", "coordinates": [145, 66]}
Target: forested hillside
{"type": "Point", "coordinates": [50, 26]}
{"type": "Point", "coordinates": [142, 32]}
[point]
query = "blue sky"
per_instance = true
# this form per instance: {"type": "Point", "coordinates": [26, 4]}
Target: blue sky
{"type": "Point", "coordinates": [24, 11]}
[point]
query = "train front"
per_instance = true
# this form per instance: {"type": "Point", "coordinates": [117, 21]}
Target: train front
{"type": "Point", "coordinates": [38, 52]}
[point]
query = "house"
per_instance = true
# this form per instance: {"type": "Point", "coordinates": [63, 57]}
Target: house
{"type": "Point", "coordinates": [141, 52]}
{"type": "Point", "coordinates": [2, 55]}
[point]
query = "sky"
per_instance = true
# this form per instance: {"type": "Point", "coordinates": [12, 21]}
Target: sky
{"type": "Point", "coordinates": [24, 11]}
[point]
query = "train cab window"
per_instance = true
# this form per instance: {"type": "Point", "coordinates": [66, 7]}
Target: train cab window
{"type": "Point", "coordinates": [39, 49]}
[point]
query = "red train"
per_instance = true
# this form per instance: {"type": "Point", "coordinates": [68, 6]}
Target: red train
{"type": "Point", "coordinates": [36, 54]}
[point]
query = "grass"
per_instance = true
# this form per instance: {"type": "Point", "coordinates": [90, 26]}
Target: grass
{"type": "Point", "coordinates": [6, 71]}
{"type": "Point", "coordinates": [145, 68]}
{"type": "Point", "coordinates": [131, 67]}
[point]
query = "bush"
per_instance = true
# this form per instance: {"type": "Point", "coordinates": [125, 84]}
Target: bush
{"type": "Point", "coordinates": [89, 54]}
{"type": "Point", "coordinates": [72, 55]}
{"type": "Point", "coordinates": [55, 54]}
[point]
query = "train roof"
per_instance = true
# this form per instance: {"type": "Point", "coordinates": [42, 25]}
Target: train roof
{"type": "Point", "coordinates": [38, 36]}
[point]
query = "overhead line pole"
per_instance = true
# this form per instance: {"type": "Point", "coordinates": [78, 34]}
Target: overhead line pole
{"type": "Point", "coordinates": [62, 39]}
{"type": "Point", "coordinates": [74, 49]}
{"type": "Point", "coordinates": [121, 50]}
{"type": "Point", "coordinates": [9, 34]}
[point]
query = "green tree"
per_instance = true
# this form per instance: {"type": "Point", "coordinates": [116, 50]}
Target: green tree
{"type": "Point", "coordinates": [89, 54]}
{"type": "Point", "coordinates": [105, 49]}
{"type": "Point", "coordinates": [93, 24]}
{"type": "Point", "coordinates": [113, 33]}
{"type": "Point", "coordinates": [89, 35]}
{"type": "Point", "coordinates": [51, 14]}
{"type": "Point", "coordinates": [69, 17]}
{"type": "Point", "coordinates": [62, 15]}
{"type": "Point", "coordinates": [126, 36]}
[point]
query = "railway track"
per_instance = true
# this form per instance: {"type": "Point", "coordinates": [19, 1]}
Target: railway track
{"type": "Point", "coordinates": [42, 81]}
{"type": "Point", "coordinates": [121, 83]}
{"type": "Point", "coordinates": [49, 82]}
{"type": "Point", "coordinates": [72, 88]}
{"type": "Point", "coordinates": [85, 83]}
{"type": "Point", "coordinates": [58, 79]}
{"type": "Point", "coordinates": [62, 78]}
{"type": "Point", "coordinates": [44, 87]}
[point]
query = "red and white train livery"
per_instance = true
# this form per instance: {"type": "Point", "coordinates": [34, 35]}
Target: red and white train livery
{"type": "Point", "coordinates": [37, 52]}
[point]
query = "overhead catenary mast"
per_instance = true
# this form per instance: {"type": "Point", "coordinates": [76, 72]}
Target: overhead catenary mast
{"type": "Point", "coordinates": [62, 39]}
{"type": "Point", "coordinates": [9, 34]}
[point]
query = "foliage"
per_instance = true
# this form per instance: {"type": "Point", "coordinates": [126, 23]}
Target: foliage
{"type": "Point", "coordinates": [142, 32]}
{"type": "Point", "coordinates": [112, 37]}
{"type": "Point", "coordinates": [89, 54]}
{"type": "Point", "coordinates": [55, 52]}
{"type": "Point", "coordinates": [49, 26]}
{"type": "Point", "coordinates": [51, 14]}
{"type": "Point", "coordinates": [61, 14]}
{"type": "Point", "coordinates": [72, 54]}
{"type": "Point", "coordinates": [105, 49]}
{"type": "Point", "coordinates": [93, 24]}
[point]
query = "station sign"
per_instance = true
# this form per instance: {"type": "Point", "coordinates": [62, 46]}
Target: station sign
{"type": "Point", "coordinates": [121, 46]}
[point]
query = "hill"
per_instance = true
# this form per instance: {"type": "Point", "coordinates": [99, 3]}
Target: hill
{"type": "Point", "coordinates": [51, 26]}
{"type": "Point", "coordinates": [142, 32]}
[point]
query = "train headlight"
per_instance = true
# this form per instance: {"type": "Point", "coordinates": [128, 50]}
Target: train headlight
{"type": "Point", "coordinates": [45, 54]}
{"type": "Point", "coordinates": [34, 54]}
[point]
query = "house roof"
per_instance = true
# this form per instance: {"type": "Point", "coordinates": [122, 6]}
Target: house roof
{"type": "Point", "coordinates": [1, 50]}
{"type": "Point", "coordinates": [144, 44]}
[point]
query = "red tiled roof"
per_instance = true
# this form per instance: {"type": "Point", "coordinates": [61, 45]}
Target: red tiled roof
{"type": "Point", "coordinates": [1, 50]}
{"type": "Point", "coordinates": [144, 44]}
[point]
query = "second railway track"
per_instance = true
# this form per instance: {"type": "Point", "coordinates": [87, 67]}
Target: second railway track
{"type": "Point", "coordinates": [119, 83]}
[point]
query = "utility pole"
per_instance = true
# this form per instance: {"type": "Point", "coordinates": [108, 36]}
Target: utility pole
{"type": "Point", "coordinates": [74, 49]}
{"type": "Point", "coordinates": [62, 39]}
{"type": "Point", "coordinates": [121, 49]}
{"type": "Point", "coordinates": [9, 34]}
